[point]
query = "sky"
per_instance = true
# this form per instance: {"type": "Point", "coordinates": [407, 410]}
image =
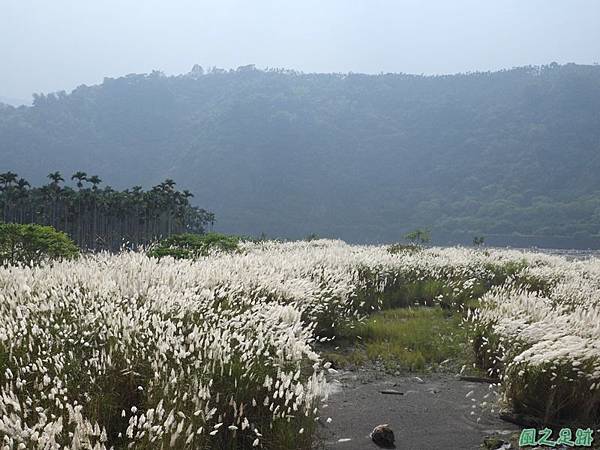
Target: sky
{"type": "Point", "coordinates": [46, 46]}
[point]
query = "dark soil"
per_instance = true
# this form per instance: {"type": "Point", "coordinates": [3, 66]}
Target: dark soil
{"type": "Point", "coordinates": [431, 414]}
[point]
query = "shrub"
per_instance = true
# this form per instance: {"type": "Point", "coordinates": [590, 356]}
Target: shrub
{"type": "Point", "coordinates": [478, 241]}
{"type": "Point", "coordinates": [418, 236]}
{"type": "Point", "coordinates": [395, 249]}
{"type": "Point", "coordinates": [32, 244]}
{"type": "Point", "coordinates": [191, 246]}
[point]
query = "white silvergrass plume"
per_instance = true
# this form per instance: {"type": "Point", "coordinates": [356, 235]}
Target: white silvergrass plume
{"type": "Point", "coordinates": [181, 347]}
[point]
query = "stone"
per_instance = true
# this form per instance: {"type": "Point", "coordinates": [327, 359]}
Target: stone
{"type": "Point", "coordinates": [383, 436]}
{"type": "Point", "coordinates": [496, 443]}
{"type": "Point", "coordinates": [392, 392]}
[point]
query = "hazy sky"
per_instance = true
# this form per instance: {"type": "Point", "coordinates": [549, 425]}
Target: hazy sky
{"type": "Point", "coordinates": [51, 45]}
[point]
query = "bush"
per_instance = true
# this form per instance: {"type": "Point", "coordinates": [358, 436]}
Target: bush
{"type": "Point", "coordinates": [32, 244]}
{"type": "Point", "coordinates": [396, 249]}
{"type": "Point", "coordinates": [418, 236]}
{"type": "Point", "coordinates": [478, 241]}
{"type": "Point", "coordinates": [191, 246]}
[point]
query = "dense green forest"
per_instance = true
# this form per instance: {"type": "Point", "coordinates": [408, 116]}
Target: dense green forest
{"type": "Point", "coordinates": [511, 155]}
{"type": "Point", "coordinates": [101, 218]}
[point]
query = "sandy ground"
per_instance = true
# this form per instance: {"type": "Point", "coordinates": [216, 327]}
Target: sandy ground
{"type": "Point", "coordinates": [431, 414]}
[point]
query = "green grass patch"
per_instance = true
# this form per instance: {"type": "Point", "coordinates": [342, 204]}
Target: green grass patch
{"type": "Point", "coordinates": [192, 246]}
{"type": "Point", "coordinates": [407, 339]}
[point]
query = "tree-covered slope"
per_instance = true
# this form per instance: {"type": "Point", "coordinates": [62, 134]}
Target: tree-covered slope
{"type": "Point", "coordinates": [361, 157]}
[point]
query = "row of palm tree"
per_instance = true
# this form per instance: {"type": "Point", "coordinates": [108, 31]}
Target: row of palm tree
{"type": "Point", "coordinates": [101, 218]}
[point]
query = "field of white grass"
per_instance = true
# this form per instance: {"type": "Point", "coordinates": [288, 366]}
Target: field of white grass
{"type": "Point", "coordinates": [127, 351]}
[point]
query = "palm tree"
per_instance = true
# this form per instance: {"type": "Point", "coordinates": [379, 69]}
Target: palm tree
{"type": "Point", "coordinates": [95, 180]}
{"type": "Point", "coordinates": [7, 179]}
{"type": "Point", "coordinates": [22, 193]}
{"type": "Point", "coordinates": [169, 200]}
{"type": "Point", "coordinates": [56, 178]}
{"type": "Point", "coordinates": [101, 218]}
{"type": "Point", "coordinates": [23, 184]}
{"type": "Point", "coordinates": [54, 193]}
{"type": "Point", "coordinates": [168, 184]}
{"type": "Point", "coordinates": [80, 177]}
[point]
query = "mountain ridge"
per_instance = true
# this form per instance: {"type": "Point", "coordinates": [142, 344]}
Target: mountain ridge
{"type": "Point", "coordinates": [361, 157]}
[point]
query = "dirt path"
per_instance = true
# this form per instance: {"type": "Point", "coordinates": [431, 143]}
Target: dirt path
{"type": "Point", "coordinates": [429, 415]}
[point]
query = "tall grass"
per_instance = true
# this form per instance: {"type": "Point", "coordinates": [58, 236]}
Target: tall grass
{"type": "Point", "coordinates": [132, 351]}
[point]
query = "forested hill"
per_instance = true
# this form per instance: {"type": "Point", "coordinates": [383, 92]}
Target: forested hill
{"type": "Point", "coordinates": [360, 157]}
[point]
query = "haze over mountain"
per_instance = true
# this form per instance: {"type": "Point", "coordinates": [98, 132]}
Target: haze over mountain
{"type": "Point", "coordinates": [360, 157]}
{"type": "Point", "coordinates": [58, 45]}
{"type": "Point", "coordinates": [14, 101]}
